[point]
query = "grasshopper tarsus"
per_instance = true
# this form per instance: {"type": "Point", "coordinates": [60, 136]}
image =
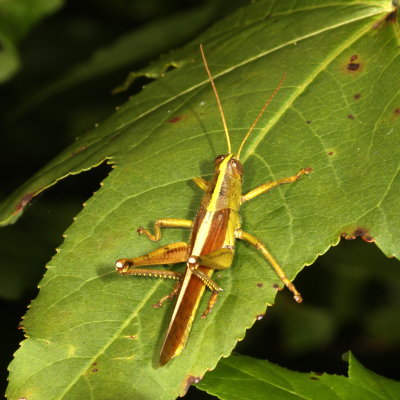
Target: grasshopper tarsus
{"type": "Point", "coordinates": [304, 171]}
{"type": "Point", "coordinates": [298, 298]}
{"type": "Point", "coordinates": [211, 303]}
{"type": "Point", "coordinates": [144, 231]}
{"type": "Point", "coordinates": [307, 170]}
{"type": "Point", "coordinates": [169, 296]}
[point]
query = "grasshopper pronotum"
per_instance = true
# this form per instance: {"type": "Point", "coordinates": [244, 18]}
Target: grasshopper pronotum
{"type": "Point", "coordinates": [212, 241]}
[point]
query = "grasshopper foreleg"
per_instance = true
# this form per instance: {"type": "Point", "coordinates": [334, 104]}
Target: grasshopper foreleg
{"type": "Point", "coordinates": [270, 185]}
{"type": "Point", "coordinates": [279, 271]}
{"type": "Point", "coordinates": [165, 223]}
{"type": "Point", "coordinates": [201, 183]}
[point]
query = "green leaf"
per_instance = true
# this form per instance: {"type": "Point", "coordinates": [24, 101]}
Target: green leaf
{"type": "Point", "coordinates": [240, 377]}
{"type": "Point", "coordinates": [16, 18]}
{"type": "Point", "coordinates": [93, 333]}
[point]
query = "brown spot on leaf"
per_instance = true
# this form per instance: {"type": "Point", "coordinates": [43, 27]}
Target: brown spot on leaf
{"type": "Point", "coordinates": [361, 232]}
{"type": "Point", "coordinates": [396, 111]}
{"type": "Point", "coordinates": [275, 286]}
{"type": "Point", "coordinates": [350, 116]}
{"type": "Point", "coordinates": [173, 120]}
{"type": "Point", "coordinates": [308, 122]}
{"type": "Point", "coordinates": [94, 370]}
{"type": "Point", "coordinates": [23, 202]}
{"type": "Point", "coordinates": [330, 153]}
{"type": "Point", "coordinates": [357, 96]}
{"type": "Point", "coordinates": [353, 66]}
{"type": "Point", "coordinates": [79, 150]}
{"type": "Point", "coordinates": [260, 284]}
{"type": "Point", "coordinates": [190, 380]}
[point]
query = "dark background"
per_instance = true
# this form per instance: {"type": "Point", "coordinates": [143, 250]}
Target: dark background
{"type": "Point", "coordinates": [351, 294]}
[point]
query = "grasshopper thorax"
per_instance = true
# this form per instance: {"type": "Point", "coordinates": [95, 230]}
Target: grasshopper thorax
{"type": "Point", "coordinates": [224, 190]}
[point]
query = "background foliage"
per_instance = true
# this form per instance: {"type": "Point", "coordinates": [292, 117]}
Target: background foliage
{"type": "Point", "coordinates": [351, 296]}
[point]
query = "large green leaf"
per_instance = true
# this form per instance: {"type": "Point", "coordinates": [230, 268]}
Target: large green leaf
{"type": "Point", "coordinates": [241, 378]}
{"type": "Point", "coordinates": [93, 333]}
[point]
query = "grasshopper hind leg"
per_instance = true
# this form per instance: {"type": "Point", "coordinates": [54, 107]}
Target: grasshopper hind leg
{"type": "Point", "coordinates": [170, 254]}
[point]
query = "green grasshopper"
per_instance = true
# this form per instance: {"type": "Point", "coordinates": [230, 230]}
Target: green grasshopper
{"type": "Point", "coordinates": [212, 241]}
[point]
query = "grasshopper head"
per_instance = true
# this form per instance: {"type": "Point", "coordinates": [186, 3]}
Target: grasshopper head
{"type": "Point", "coordinates": [228, 164]}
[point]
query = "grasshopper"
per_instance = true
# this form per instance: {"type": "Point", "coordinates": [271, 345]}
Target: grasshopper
{"type": "Point", "coordinates": [212, 241]}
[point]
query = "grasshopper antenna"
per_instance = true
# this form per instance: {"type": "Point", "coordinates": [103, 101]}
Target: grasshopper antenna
{"type": "Point", "coordinates": [218, 100]}
{"type": "Point", "coordinates": [261, 113]}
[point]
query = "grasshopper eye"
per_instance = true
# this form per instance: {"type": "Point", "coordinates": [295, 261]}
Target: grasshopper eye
{"type": "Point", "coordinates": [237, 167]}
{"type": "Point", "coordinates": [219, 159]}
